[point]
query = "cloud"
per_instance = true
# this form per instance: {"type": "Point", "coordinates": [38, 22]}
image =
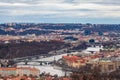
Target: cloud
{"type": "Point", "coordinates": [61, 8]}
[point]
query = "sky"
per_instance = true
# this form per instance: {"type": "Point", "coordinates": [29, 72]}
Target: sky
{"type": "Point", "coordinates": [60, 11]}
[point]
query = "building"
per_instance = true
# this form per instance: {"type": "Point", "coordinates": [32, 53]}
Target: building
{"type": "Point", "coordinates": [73, 61]}
{"type": "Point", "coordinates": [105, 66]}
{"type": "Point", "coordinates": [28, 71]}
{"type": "Point", "coordinates": [19, 71]}
{"type": "Point", "coordinates": [8, 71]}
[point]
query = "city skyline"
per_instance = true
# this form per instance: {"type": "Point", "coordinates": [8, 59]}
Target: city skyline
{"type": "Point", "coordinates": [60, 11]}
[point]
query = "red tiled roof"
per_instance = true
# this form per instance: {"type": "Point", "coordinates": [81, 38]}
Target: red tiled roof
{"type": "Point", "coordinates": [66, 79]}
{"type": "Point", "coordinates": [8, 68]}
{"type": "Point", "coordinates": [75, 59]}
{"type": "Point", "coordinates": [28, 68]}
{"type": "Point", "coordinates": [94, 56]}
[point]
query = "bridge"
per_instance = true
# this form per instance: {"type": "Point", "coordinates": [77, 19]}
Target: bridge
{"type": "Point", "coordinates": [35, 59]}
{"type": "Point", "coordinates": [26, 62]}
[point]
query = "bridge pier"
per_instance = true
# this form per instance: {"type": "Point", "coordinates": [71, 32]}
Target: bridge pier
{"type": "Point", "coordinates": [26, 63]}
{"type": "Point", "coordinates": [37, 57]}
{"type": "Point", "coordinates": [45, 63]}
{"type": "Point", "coordinates": [40, 63]}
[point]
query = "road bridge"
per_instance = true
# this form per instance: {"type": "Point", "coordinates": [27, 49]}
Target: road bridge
{"type": "Point", "coordinates": [26, 62]}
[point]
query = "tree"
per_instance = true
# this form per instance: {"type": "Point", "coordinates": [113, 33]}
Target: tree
{"type": "Point", "coordinates": [100, 33]}
{"type": "Point", "coordinates": [87, 32]}
{"type": "Point", "coordinates": [91, 41]}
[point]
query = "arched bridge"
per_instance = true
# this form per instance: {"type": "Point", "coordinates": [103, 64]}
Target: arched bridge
{"type": "Point", "coordinates": [26, 62]}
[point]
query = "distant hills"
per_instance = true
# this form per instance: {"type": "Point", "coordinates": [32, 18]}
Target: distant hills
{"type": "Point", "coordinates": [38, 29]}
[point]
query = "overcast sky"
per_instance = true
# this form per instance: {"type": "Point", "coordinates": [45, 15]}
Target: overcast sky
{"type": "Point", "coordinates": [60, 11]}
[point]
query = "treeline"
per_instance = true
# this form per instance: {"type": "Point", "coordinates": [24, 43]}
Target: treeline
{"type": "Point", "coordinates": [95, 74]}
{"type": "Point", "coordinates": [37, 32]}
{"type": "Point", "coordinates": [23, 49]}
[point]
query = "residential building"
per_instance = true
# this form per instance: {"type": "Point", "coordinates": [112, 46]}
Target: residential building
{"type": "Point", "coordinates": [74, 61]}
{"type": "Point", "coordinates": [19, 71]}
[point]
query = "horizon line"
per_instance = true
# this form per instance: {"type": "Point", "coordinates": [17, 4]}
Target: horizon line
{"type": "Point", "coordinates": [56, 23]}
